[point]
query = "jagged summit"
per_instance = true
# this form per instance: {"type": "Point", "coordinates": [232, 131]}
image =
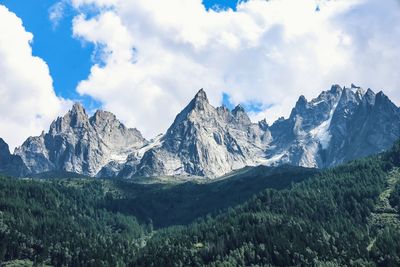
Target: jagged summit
{"type": "Point", "coordinates": [241, 116]}
{"type": "Point", "coordinates": [263, 124]}
{"type": "Point", "coordinates": [335, 88]}
{"type": "Point", "coordinates": [205, 141]}
{"type": "Point", "coordinates": [201, 96]}
{"type": "Point", "coordinates": [369, 97]}
{"type": "Point", "coordinates": [340, 124]}
{"type": "Point", "coordinates": [301, 103]}
{"type": "Point", "coordinates": [77, 107]}
{"type": "Point", "coordinates": [200, 101]}
{"type": "Point", "coordinates": [102, 114]}
{"type": "Point", "coordinates": [335, 127]}
{"type": "Point", "coordinates": [78, 111]}
{"type": "Point", "coordinates": [75, 117]}
{"type": "Point", "coordinates": [238, 109]}
{"type": "Point", "coordinates": [199, 104]}
{"type": "Point", "coordinates": [79, 143]}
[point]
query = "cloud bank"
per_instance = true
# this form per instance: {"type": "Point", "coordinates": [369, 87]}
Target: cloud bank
{"type": "Point", "coordinates": [27, 100]}
{"type": "Point", "coordinates": [152, 56]}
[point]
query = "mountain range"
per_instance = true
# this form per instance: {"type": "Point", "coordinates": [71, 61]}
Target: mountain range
{"type": "Point", "coordinates": [339, 125]}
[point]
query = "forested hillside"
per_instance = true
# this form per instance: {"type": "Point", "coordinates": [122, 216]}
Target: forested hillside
{"type": "Point", "coordinates": [348, 215]}
{"type": "Point", "coordinates": [90, 222]}
{"type": "Point", "coordinates": [60, 225]}
{"type": "Point", "coordinates": [324, 221]}
{"type": "Point", "coordinates": [167, 204]}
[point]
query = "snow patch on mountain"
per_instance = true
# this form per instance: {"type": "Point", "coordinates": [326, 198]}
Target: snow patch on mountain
{"type": "Point", "coordinates": [341, 124]}
{"type": "Point", "coordinates": [321, 132]}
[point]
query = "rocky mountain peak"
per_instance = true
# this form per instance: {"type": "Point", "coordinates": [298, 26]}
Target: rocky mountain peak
{"type": "Point", "coordinates": [201, 94]}
{"type": "Point", "coordinates": [335, 88]}
{"type": "Point", "coordinates": [200, 100]}
{"type": "Point", "coordinates": [263, 124]}
{"type": "Point", "coordinates": [205, 141]}
{"type": "Point", "coordinates": [301, 106]}
{"type": "Point", "coordinates": [302, 101]}
{"type": "Point", "coordinates": [380, 95]}
{"type": "Point", "coordinates": [103, 118]}
{"type": "Point", "coordinates": [240, 115]}
{"type": "Point", "coordinates": [348, 96]}
{"type": "Point", "coordinates": [360, 93]}
{"type": "Point", "coordinates": [77, 107]}
{"type": "Point", "coordinates": [347, 92]}
{"type": "Point", "coordinates": [238, 109]}
{"type": "Point", "coordinates": [79, 111]}
{"type": "Point", "coordinates": [76, 117]}
{"type": "Point", "coordinates": [197, 110]}
{"type": "Point", "coordinates": [336, 126]}
{"type": "Point", "coordinates": [104, 115]}
{"type": "Point", "coordinates": [77, 143]}
{"type": "Point", "coordinates": [383, 102]}
{"type": "Point", "coordinates": [369, 97]}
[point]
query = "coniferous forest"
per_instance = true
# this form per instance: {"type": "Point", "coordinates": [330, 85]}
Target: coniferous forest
{"type": "Point", "coordinates": [344, 216]}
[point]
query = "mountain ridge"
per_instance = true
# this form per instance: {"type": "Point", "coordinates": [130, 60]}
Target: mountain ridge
{"type": "Point", "coordinates": [79, 143]}
{"type": "Point", "coordinates": [339, 125]}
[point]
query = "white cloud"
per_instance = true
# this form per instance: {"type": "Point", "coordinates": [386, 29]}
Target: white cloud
{"type": "Point", "coordinates": [27, 99]}
{"type": "Point", "coordinates": [157, 54]}
{"type": "Point", "coordinates": [56, 12]}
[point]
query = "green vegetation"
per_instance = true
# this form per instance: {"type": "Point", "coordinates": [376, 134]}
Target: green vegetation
{"type": "Point", "coordinates": [59, 225]}
{"type": "Point", "coordinates": [177, 204]}
{"type": "Point", "coordinates": [324, 221]}
{"type": "Point", "coordinates": [287, 216]}
{"type": "Point", "coordinates": [81, 222]}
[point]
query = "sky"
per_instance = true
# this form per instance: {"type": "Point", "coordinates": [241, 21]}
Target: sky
{"type": "Point", "coordinates": [145, 59]}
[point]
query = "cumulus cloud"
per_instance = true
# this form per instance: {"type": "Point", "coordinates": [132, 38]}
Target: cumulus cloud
{"type": "Point", "coordinates": [27, 99]}
{"type": "Point", "coordinates": [154, 55]}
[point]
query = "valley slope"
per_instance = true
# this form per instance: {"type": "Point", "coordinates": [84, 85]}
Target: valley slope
{"type": "Point", "coordinates": [280, 216]}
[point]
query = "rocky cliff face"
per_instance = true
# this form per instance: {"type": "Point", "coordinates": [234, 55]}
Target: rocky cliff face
{"type": "Point", "coordinates": [204, 141]}
{"type": "Point", "coordinates": [10, 164]}
{"type": "Point", "coordinates": [79, 143]}
{"type": "Point", "coordinates": [341, 124]}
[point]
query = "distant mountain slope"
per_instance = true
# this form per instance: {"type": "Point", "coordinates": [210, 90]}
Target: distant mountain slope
{"type": "Point", "coordinates": [10, 164]}
{"type": "Point", "coordinates": [77, 143]}
{"type": "Point", "coordinates": [339, 125]}
{"type": "Point", "coordinates": [205, 141]}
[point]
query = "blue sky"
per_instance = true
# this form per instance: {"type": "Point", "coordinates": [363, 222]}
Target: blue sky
{"type": "Point", "coordinates": [155, 55]}
{"type": "Point", "coordinates": [220, 3]}
{"type": "Point", "coordinates": [69, 59]}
